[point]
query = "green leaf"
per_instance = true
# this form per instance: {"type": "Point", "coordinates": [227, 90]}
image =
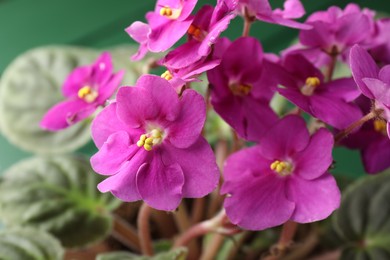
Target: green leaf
{"type": "Point", "coordinates": [29, 244]}
{"type": "Point", "coordinates": [59, 195]}
{"type": "Point", "coordinates": [177, 254]}
{"type": "Point", "coordinates": [363, 219]}
{"type": "Point", "coordinates": [29, 87]}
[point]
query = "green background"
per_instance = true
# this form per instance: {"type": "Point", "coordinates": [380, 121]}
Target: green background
{"type": "Point", "coordinates": [25, 24]}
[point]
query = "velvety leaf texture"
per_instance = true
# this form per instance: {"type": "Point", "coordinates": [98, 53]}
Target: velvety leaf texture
{"type": "Point", "coordinates": [362, 220]}
{"type": "Point", "coordinates": [177, 254]}
{"type": "Point", "coordinates": [59, 195]}
{"type": "Point", "coordinates": [29, 244]}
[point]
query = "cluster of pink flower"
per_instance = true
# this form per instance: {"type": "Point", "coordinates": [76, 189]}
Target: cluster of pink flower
{"type": "Point", "coordinates": [150, 137]}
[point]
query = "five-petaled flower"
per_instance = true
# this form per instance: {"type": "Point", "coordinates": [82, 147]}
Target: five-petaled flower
{"type": "Point", "coordinates": [284, 178]}
{"type": "Point", "coordinates": [85, 89]}
{"type": "Point", "coordinates": [150, 145]}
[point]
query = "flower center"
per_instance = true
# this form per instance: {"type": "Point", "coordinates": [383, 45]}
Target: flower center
{"type": "Point", "coordinates": [196, 32]}
{"type": "Point", "coordinates": [170, 13]}
{"type": "Point", "coordinates": [240, 89]}
{"type": "Point", "coordinates": [150, 139]}
{"type": "Point", "coordinates": [282, 168]}
{"type": "Point", "coordinates": [380, 126]}
{"type": "Point", "coordinates": [310, 85]}
{"type": "Point", "coordinates": [167, 75]}
{"type": "Point", "coordinates": [88, 94]}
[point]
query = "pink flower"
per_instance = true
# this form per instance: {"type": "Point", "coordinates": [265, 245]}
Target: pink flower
{"type": "Point", "coordinates": [335, 31]}
{"type": "Point", "coordinates": [241, 90]}
{"type": "Point", "coordinates": [372, 141]}
{"type": "Point", "coordinates": [150, 145]}
{"type": "Point", "coordinates": [208, 24]}
{"type": "Point", "coordinates": [166, 25]}
{"type": "Point", "coordinates": [373, 82]}
{"type": "Point", "coordinates": [331, 102]}
{"type": "Point", "coordinates": [262, 10]}
{"type": "Point", "coordinates": [86, 88]}
{"type": "Point", "coordinates": [284, 178]}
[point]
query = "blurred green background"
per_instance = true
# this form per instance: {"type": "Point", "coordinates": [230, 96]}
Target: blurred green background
{"type": "Point", "coordinates": [100, 23]}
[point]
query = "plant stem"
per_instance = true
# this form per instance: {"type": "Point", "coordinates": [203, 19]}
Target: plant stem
{"type": "Point", "coordinates": [288, 232]}
{"type": "Point", "coordinates": [125, 233]}
{"type": "Point", "coordinates": [342, 134]}
{"type": "Point", "coordinates": [198, 210]}
{"type": "Point", "coordinates": [248, 20]}
{"type": "Point", "coordinates": [144, 229]}
{"type": "Point", "coordinates": [213, 247]}
{"type": "Point", "coordinates": [195, 231]}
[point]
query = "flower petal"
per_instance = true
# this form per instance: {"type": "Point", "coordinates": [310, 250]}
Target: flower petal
{"type": "Point", "coordinates": [152, 97]}
{"type": "Point", "coordinates": [159, 185]}
{"type": "Point", "coordinates": [107, 123]}
{"type": "Point", "coordinates": [314, 199]}
{"type": "Point", "coordinates": [376, 155]}
{"type": "Point", "coordinates": [285, 138]}
{"type": "Point", "coordinates": [201, 174]}
{"type": "Point", "coordinates": [261, 204]}
{"type": "Point", "coordinates": [188, 125]}
{"type": "Point", "coordinates": [362, 66]}
{"type": "Point", "coordinates": [123, 184]}
{"type": "Point", "coordinates": [317, 156]}
{"type": "Point", "coordinates": [77, 79]}
{"type": "Point", "coordinates": [379, 89]}
{"type": "Point", "coordinates": [114, 152]}
{"type": "Point", "coordinates": [106, 91]}
{"type": "Point", "coordinates": [102, 70]}
{"type": "Point", "coordinates": [65, 114]}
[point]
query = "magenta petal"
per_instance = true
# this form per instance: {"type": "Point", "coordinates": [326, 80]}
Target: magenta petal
{"type": "Point", "coordinates": [201, 174]}
{"type": "Point", "coordinates": [160, 185]}
{"type": "Point", "coordinates": [293, 9]}
{"type": "Point", "coordinates": [351, 28]}
{"type": "Point", "coordinates": [152, 97]}
{"type": "Point", "coordinates": [114, 152]}
{"type": "Point", "coordinates": [376, 155]}
{"type": "Point", "coordinates": [123, 184]}
{"type": "Point", "coordinates": [166, 36]}
{"type": "Point", "coordinates": [214, 33]}
{"type": "Point", "coordinates": [362, 66]}
{"type": "Point", "coordinates": [65, 114]}
{"type": "Point", "coordinates": [379, 89]}
{"type": "Point", "coordinates": [107, 123]}
{"type": "Point", "coordinates": [344, 88]}
{"type": "Point", "coordinates": [188, 125]}
{"type": "Point", "coordinates": [319, 36]}
{"type": "Point", "coordinates": [183, 56]}
{"type": "Point", "coordinates": [296, 97]}
{"type": "Point", "coordinates": [247, 161]}
{"type": "Point", "coordinates": [317, 156]}
{"type": "Point", "coordinates": [261, 205]}
{"type": "Point", "coordinates": [384, 74]}
{"type": "Point", "coordinates": [278, 143]}
{"type": "Point", "coordinates": [314, 199]}
{"type": "Point", "coordinates": [108, 90]}
{"type": "Point", "coordinates": [102, 70]}
{"type": "Point", "coordinates": [78, 78]}
{"type": "Point", "coordinates": [335, 112]}
{"type": "Point", "coordinates": [138, 31]}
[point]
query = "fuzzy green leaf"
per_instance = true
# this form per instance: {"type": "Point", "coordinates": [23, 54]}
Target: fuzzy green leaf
{"type": "Point", "coordinates": [59, 195]}
{"type": "Point", "coordinates": [362, 220]}
{"type": "Point", "coordinates": [177, 254]}
{"type": "Point", "coordinates": [29, 244]}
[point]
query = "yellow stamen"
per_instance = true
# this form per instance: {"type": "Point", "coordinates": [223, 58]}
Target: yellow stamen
{"type": "Point", "coordinates": [166, 11]}
{"type": "Point", "coordinates": [281, 168]}
{"type": "Point", "coordinates": [310, 85]}
{"type": "Point", "coordinates": [380, 126]}
{"type": "Point", "coordinates": [240, 89]}
{"type": "Point", "coordinates": [167, 75]}
{"type": "Point", "coordinates": [151, 139]}
{"type": "Point", "coordinates": [88, 94]}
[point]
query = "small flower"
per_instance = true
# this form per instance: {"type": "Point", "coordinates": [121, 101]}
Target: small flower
{"type": "Point", "coordinates": [284, 178]}
{"type": "Point", "coordinates": [372, 141]}
{"type": "Point", "coordinates": [335, 31]}
{"type": "Point", "coordinates": [373, 82]}
{"type": "Point", "coordinates": [166, 25]}
{"type": "Point", "coordinates": [261, 10]}
{"type": "Point", "coordinates": [331, 102]}
{"type": "Point", "coordinates": [241, 88]}
{"type": "Point", "coordinates": [86, 88]}
{"type": "Point", "coordinates": [150, 145]}
{"type": "Point", "coordinates": [204, 32]}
